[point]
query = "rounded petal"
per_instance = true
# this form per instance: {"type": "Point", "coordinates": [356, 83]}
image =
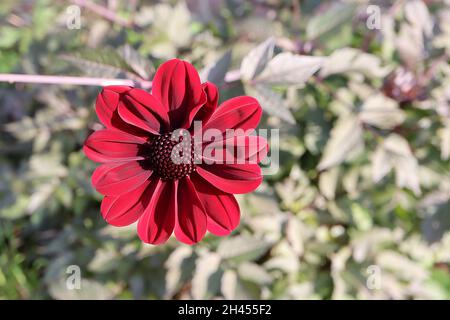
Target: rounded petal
{"type": "Point", "coordinates": [177, 86]}
{"type": "Point", "coordinates": [222, 209]}
{"type": "Point", "coordinates": [192, 112]}
{"type": "Point", "coordinates": [106, 107]}
{"type": "Point", "coordinates": [116, 178]}
{"type": "Point", "coordinates": [157, 222]}
{"type": "Point", "coordinates": [127, 208]}
{"type": "Point", "coordinates": [135, 114]}
{"type": "Point", "coordinates": [151, 104]}
{"type": "Point", "coordinates": [232, 178]}
{"type": "Point", "coordinates": [238, 113]}
{"type": "Point", "coordinates": [190, 225]}
{"type": "Point", "coordinates": [212, 98]}
{"type": "Point", "coordinates": [112, 145]}
{"type": "Point", "coordinates": [107, 102]}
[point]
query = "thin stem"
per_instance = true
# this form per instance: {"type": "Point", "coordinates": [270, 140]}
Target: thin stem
{"type": "Point", "coordinates": [231, 76]}
{"type": "Point", "coordinates": [65, 80]}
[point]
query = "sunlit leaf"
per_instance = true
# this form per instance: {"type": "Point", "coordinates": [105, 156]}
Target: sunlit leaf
{"type": "Point", "coordinates": [348, 60]}
{"type": "Point", "coordinates": [256, 60]}
{"type": "Point", "coordinates": [410, 46]}
{"type": "Point", "coordinates": [395, 152]}
{"type": "Point", "coordinates": [416, 11]}
{"type": "Point", "coordinates": [242, 248]}
{"type": "Point", "coordinates": [207, 275]}
{"type": "Point", "coordinates": [381, 112]}
{"type": "Point", "coordinates": [295, 234]}
{"type": "Point", "coordinates": [328, 182]}
{"type": "Point", "coordinates": [289, 69]}
{"type": "Point", "coordinates": [271, 101]}
{"type": "Point", "coordinates": [254, 273]}
{"type": "Point", "coordinates": [346, 136]}
{"type": "Point", "coordinates": [179, 266]}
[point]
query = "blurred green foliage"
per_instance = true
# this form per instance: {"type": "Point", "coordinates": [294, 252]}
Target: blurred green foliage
{"type": "Point", "coordinates": [364, 175]}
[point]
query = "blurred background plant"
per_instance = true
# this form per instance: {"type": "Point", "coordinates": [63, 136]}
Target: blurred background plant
{"type": "Point", "coordinates": [364, 175]}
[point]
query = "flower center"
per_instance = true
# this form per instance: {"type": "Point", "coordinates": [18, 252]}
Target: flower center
{"type": "Point", "coordinates": [172, 158]}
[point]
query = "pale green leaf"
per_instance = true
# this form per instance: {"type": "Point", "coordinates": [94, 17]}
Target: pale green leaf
{"type": "Point", "coordinates": [256, 60]}
{"type": "Point", "coordinates": [289, 69]}
{"type": "Point", "coordinates": [346, 136]}
{"type": "Point", "coordinates": [271, 101]}
{"type": "Point", "coordinates": [207, 275]}
{"type": "Point", "coordinates": [179, 264]}
{"type": "Point", "coordinates": [328, 181]}
{"type": "Point", "coordinates": [242, 248]}
{"type": "Point", "coordinates": [395, 152]}
{"type": "Point", "coordinates": [254, 273]}
{"type": "Point", "coordinates": [348, 60]}
{"type": "Point", "coordinates": [382, 112]}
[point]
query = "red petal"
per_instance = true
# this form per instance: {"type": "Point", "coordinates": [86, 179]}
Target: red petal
{"type": "Point", "coordinates": [236, 150]}
{"type": "Point", "coordinates": [137, 115]}
{"type": "Point", "coordinates": [107, 102]}
{"type": "Point", "coordinates": [222, 209]}
{"type": "Point", "coordinates": [192, 113]}
{"type": "Point", "coordinates": [177, 85]}
{"type": "Point", "coordinates": [152, 104]}
{"type": "Point", "coordinates": [212, 99]}
{"type": "Point", "coordinates": [107, 106]}
{"type": "Point", "coordinates": [190, 226]}
{"type": "Point", "coordinates": [232, 178]}
{"type": "Point", "coordinates": [156, 224]}
{"type": "Point", "coordinates": [126, 209]}
{"type": "Point", "coordinates": [112, 145]}
{"type": "Point", "coordinates": [114, 179]}
{"type": "Point", "coordinates": [237, 113]}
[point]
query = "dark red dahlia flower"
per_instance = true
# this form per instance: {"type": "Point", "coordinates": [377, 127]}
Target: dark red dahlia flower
{"type": "Point", "coordinates": [139, 176]}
